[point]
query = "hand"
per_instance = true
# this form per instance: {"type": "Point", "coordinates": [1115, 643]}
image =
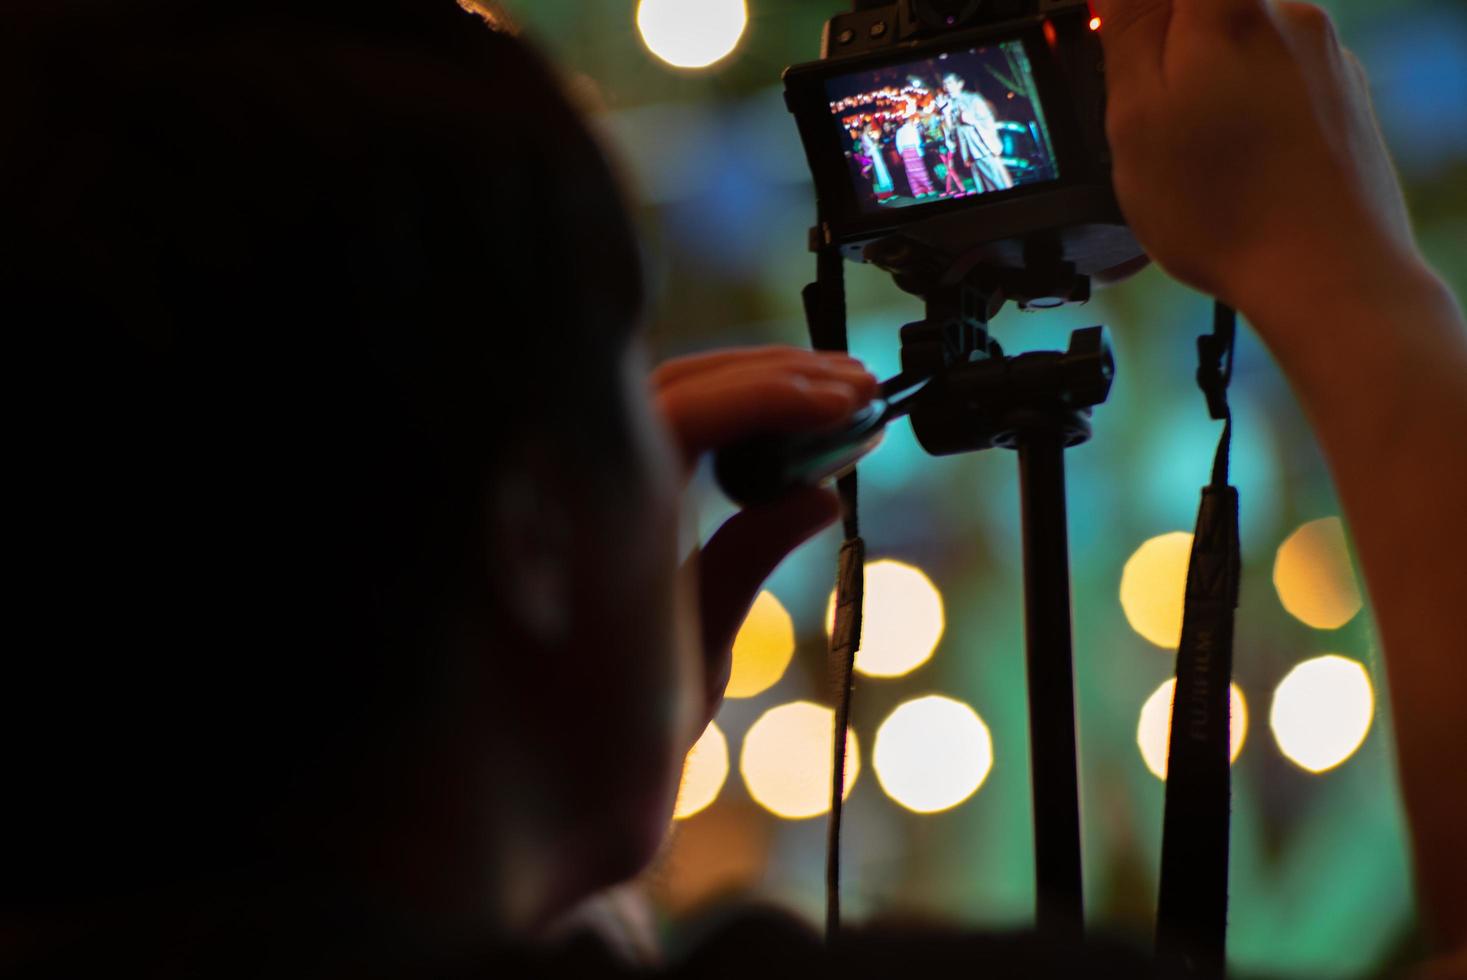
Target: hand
{"type": "Point", "coordinates": [1249, 164]}
{"type": "Point", "coordinates": [1247, 157]}
{"type": "Point", "coordinates": [715, 400]}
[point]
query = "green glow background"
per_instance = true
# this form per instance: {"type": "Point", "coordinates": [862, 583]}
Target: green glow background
{"type": "Point", "coordinates": [1320, 880]}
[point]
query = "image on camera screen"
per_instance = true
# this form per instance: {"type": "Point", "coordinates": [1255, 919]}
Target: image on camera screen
{"type": "Point", "coordinates": [959, 124]}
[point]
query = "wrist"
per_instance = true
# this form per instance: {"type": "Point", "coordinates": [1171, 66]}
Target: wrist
{"type": "Point", "coordinates": [1365, 345]}
{"type": "Point", "coordinates": [1279, 284]}
{"type": "Point", "coordinates": [1307, 310]}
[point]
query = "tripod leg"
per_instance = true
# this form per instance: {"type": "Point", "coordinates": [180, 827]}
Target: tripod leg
{"type": "Point", "coordinates": [1060, 908]}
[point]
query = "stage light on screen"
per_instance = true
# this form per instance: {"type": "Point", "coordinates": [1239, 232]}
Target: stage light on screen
{"type": "Point", "coordinates": [932, 753]}
{"type": "Point", "coordinates": [1313, 576]}
{"type": "Point", "coordinates": [1155, 728]}
{"type": "Point", "coordinates": [1322, 712]}
{"type": "Point", "coordinates": [785, 761]}
{"type": "Point", "coordinates": [1154, 585]}
{"type": "Point", "coordinates": [1095, 23]}
{"type": "Point", "coordinates": [704, 770]}
{"type": "Point", "coordinates": [692, 33]}
{"type": "Point", "coordinates": [902, 620]}
{"type": "Point", "coordinates": [762, 649]}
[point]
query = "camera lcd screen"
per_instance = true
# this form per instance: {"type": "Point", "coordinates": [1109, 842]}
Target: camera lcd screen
{"type": "Point", "coordinates": [956, 125]}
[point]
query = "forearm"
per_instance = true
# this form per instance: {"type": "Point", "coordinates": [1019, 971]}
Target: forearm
{"type": "Point", "coordinates": [1381, 369]}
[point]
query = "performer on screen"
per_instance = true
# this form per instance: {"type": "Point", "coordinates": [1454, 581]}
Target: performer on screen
{"type": "Point", "coordinates": [881, 177]}
{"type": "Point", "coordinates": [909, 145]}
{"type": "Point", "coordinates": [858, 152]}
{"type": "Point", "coordinates": [972, 119]}
{"type": "Point", "coordinates": [948, 153]}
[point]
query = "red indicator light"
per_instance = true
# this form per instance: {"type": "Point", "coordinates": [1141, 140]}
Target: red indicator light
{"type": "Point", "coordinates": [1095, 23]}
{"type": "Point", "coordinates": [1049, 33]}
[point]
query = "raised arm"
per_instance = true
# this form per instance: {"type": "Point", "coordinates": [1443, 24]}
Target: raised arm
{"type": "Point", "coordinates": [1286, 205]}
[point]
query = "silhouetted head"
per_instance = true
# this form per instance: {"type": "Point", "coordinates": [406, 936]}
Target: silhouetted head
{"type": "Point", "coordinates": [347, 533]}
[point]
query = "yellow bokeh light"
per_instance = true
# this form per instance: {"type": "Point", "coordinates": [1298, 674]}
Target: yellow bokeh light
{"type": "Point", "coordinates": [763, 648]}
{"type": "Point", "coordinates": [1154, 586]}
{"type": "Point", "coordinates": [932, 753]}
{"type": "Point", "coordinates": [902, 619]}
{"type": "Point", "coordinates": [704, 770]}
{"type": "Point", "coordinates": [1322, 712]}
{"type": "Point", "coordinates": [691, 33]}
{"type": "Point", "coordinates": [785, 761]}
{"type": "Point", "coordinates": [1154, 731]}
{"type": "Point", "coordinates": [1313, 576]}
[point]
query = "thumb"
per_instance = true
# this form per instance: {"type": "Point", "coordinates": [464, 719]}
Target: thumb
{"type": "Point", "coordinates": [740, 556]}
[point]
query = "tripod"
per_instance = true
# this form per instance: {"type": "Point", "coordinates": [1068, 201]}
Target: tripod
{"type": "Point", "coordinates": [974, 398]}
{"type": "Point", "coordinates": [1037, 404]}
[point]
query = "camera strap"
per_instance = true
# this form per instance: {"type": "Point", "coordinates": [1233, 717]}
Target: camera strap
{"type": "Point", "coordinates": [825, 314]}
{"type": "Point", "coordinates": [1192, 908]}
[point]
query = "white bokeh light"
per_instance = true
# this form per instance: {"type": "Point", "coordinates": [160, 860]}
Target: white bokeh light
{"type": "Point", "coordinates": [704, 770]}
{"type": "Point", "coordinates": [692, 33]}
{"type": "Point", "coordinates": [901, 621]}
{"type": "Point", "coordinates": [1154, 730]}
{"type": "Point", "coordinates": [1322, 712]}
{"type": "Point", "coordinates": [785, 760]}
{"type": "Point", "coordinates": [932, 753]}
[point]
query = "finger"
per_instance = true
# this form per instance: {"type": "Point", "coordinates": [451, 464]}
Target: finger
{"type": "Point", "coordinates": [680, 368]}
{"type": "Point", "coordinates": [730, 406]}
{"type": "Point", "coordinates": [1310, 32]}
{"type": "Point", "coordinates": [739, 557]}
{"type": "Point", "coordinates": [1133, 34]}
{"type": "Point", "coordinates": [1357, 72]}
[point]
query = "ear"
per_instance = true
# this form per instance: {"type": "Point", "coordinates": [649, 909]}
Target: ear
{"type": "Point", "coordinates": [530, 548]}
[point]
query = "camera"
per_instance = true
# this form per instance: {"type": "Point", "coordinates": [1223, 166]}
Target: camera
{"type": "Point", "coordinates": [962, 133]}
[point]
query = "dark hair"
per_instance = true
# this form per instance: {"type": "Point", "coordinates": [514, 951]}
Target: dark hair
{"type": "Point", "coordinates": [284, 279]}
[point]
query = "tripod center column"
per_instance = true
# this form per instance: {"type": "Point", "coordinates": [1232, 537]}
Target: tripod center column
{"type": "Point", "coordinates": [1041, 442]}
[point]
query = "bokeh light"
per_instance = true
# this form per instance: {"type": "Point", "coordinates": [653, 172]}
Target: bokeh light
{"type": "Point", "coordinates": [704, 770]}
{"type": "Point", "coordinates": [762, 649]}
{"type": "Point", "coordinates": [1313, 576]}
{"type": "Point", "coordinates": [785, 761]}
{"type": "Point", "coordinates": [932, 753]}
{"type": "Point", "coordinates": [1322, 712]}
{"type": "Point", "coordinates": [1154, 588]}
{"type": "Point", "coordinates": [1153, 733]}
{"type": "Point", "coordinates": [901, 622]}
{"type": "Point", "coordinates": [691, 33]}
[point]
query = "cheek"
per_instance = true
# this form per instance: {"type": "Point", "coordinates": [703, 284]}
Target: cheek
{"type": "Point", "coordinates": [645, 672]}
{"type": "Point", "coordinates": [665, 617]}
{"type": "Point", "coordinates": [619, 735]}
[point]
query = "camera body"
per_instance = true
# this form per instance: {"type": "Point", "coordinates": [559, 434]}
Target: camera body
{"type": "Point", "coordinates": [962, 133]}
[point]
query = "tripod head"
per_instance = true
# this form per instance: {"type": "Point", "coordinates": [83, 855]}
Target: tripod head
{"type": "Point", "coordinates": [991, 401]}
{"type": "Point", "coordinates": [978, 398]}
{"type": "Point", "coordinates": [972, 397]}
